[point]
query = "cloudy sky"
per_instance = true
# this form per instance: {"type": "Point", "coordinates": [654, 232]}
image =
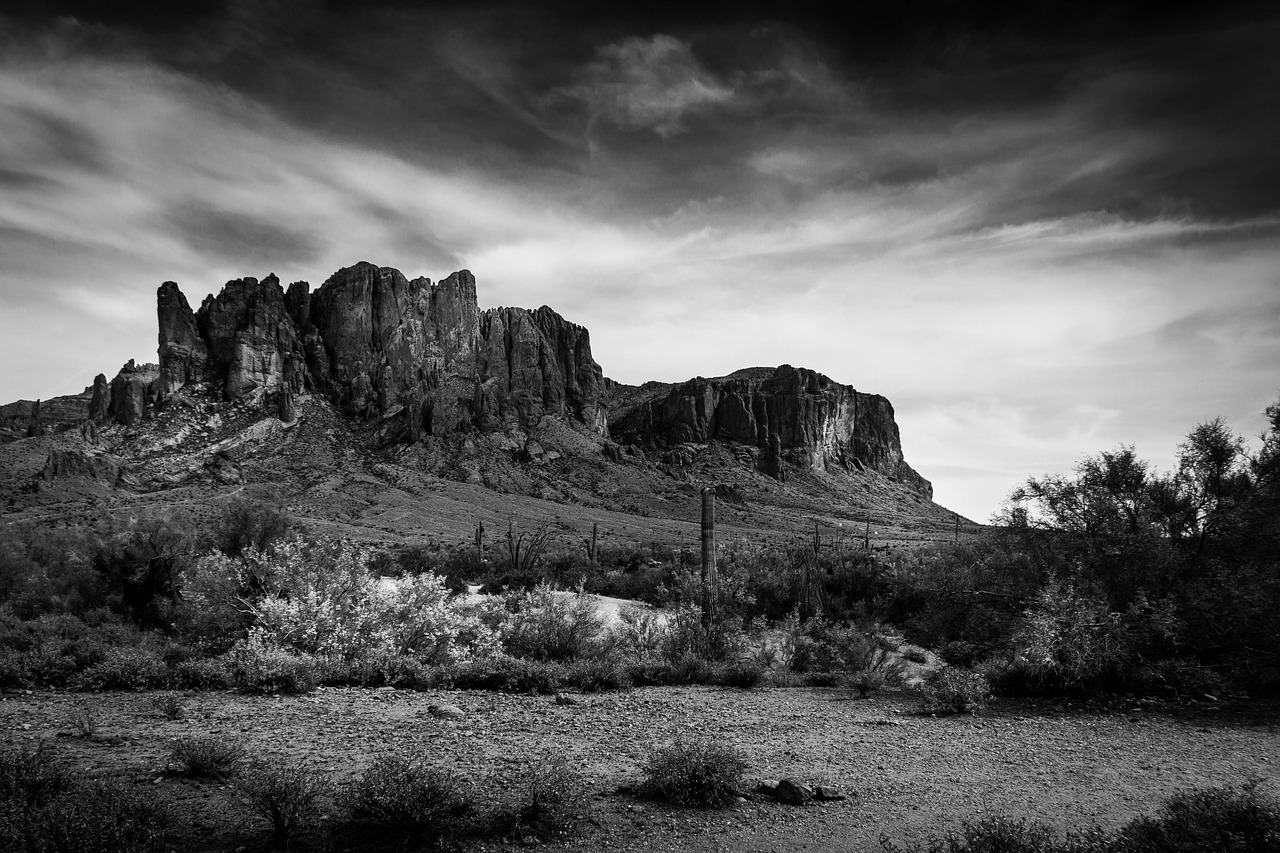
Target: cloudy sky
{"type": "Point", "coordinates": [1041, 229]}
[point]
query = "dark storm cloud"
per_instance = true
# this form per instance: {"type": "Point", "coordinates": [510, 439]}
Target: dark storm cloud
{"type": "Point", "coordinates": [239, 237]}
{"type": "Point", "coordinates": [1026, 223]}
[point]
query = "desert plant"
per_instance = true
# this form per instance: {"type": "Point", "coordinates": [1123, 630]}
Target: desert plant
{"type": "Point", "coordinates": [94, 817]}
{"type": "Point", "coordinates": [550, 800]}
{"type": "Point", "coordinates": [866, 682]}
{"type": "Point", "coordinates": [169, 706]}
{"type": "Point", "coordinates": [31, 775]}
{"type": "Point", "coordinates": [694, 773]}
{"type": "Point", "coordinates": [998, 835]}
{"type": "Point", "coordinates": [126, 669]}
{"type": "Point", "coordinates": [206, 756]}
{"type": "Point", "coordinates": [1228, 819]}
{"type": "Point", "coordinates": [956, 691]}
{"type": "Point", "coordinates": [598, 674]}
{"type": "Point", "coordinates": [549, 625]}
{"type": "Point", "coordinates": [84, 719]}
{"type": "Point", "coordinates": [260, 666]}
{"type": "Point", "coordinates": [408, 800]}
{"type": "Point", "coordinates": [285, 795]}
{"type": "Point", "coordinates": [743, 674]}
{"type": "Point", "coordinates": [506, 674]}
{"type": "Point", "coordinates": [203, 674]}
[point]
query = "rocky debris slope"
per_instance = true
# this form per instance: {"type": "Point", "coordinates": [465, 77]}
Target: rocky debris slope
{"type": "Point", "coordinates": [375, 344]}
{"type": "Point", "coordinates": [782, 416]}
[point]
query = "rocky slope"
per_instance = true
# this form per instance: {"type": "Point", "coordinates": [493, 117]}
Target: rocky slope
{"type": "Point", "coordinates": [362, 402]}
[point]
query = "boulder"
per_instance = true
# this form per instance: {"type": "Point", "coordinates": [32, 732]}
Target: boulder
{"type": "Point", "coordinates": [446, 712]}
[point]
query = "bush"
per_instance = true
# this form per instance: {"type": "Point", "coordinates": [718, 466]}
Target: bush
{"type": "Point", "coordinates": [1230, 819]}
{"type": "Point", "coordinates": [995, 835]}
{"type": "Point", "coordinates": [257, 666]}
{"type": "Point", "coordinates": [206, 756]}
{"type": "Point", "coordinates": [598, 674]}
{"type": "Point", "coordinates": [203, 674]}
{"type": "Point", "coordinates": [284, 795]}
{"type": "Point", "coordinates": [84, 719]}
{"type": "Point", "coordinates": [547, 625]}
{"type": "Point", "coordinates": [506, 674]}
{"type": "Point", "coordinates": [956, 691]}
{"type": "Point", "coordinates": [409, 800]}
{"type": "Point", "coordinates": [742, 674]}
{"type": "Point", "coordinates": [695, 773]}
{"type": "Point", "coordinates": [44, 809]}
{"type": "Point", "coordinates": [31, 776]}
{"type": "Point", "coordinates": [126, 669]}
{"type": "Point", "coordinates": [866, 682]}
{"type": "Point", "coordinates": [90, 818]}
{"type": "Point", "coordinates": [551, 799]}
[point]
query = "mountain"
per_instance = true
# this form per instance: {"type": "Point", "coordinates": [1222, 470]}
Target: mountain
{"type": "Point", "coordinates": [388, 408]}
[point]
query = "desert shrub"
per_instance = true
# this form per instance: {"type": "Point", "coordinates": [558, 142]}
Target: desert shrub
{"type": "Point", "coordinates": [549, 800]}
{"type": "Point", "coordinates": [1177, 677]}
{"type": "Point", "coordinates": [204, 674]}
{"type": "Point", "coordinates": [640, 632]}
{"type": "Point", "coordinates": [546, 625]}
{"type": "Point", "coordinates": [743, 674]}
{"type": "Point", "coordinates": [31, 775]}
{"type": "Point", "coordinates": [245, 524]}
{"type": "Point", "coordinates": [956, 691]}
{"type": "Point", "coordinates": [694, 773]}
{"type": "Point", "coordinates": [1230, 819]}
{"type": "Point", "coordinates": [408, 800]}
{"type": "Point", "coordinates": [820, 646]}
{"type": "Point", "coordinates": [84, 720]}
{"type": "Point", "coordinates": [46, 666]}
{"type": "Point", "coordinates": [258, 666]}
{"type": "Point", "coordinates": [206, 756]}
{"type": "Point", "coordinates": [126, 669]}
{"type": "Point", "coordinates": [866, 682]}
{"type": "Point", "coordinates": [169, 706]}
{"type": "Point", "coordinates": [96, 817]}
{"type": "Point", "coordinates": [508, 675]}
{"type": "Point", "coordinates": [598, 674]}
{"type": "Point", "coordinates": [996, 835]}
{"type": "Point", "coordinates": [285, 795]}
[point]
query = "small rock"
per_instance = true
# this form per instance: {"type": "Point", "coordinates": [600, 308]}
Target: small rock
{"type": "Point", "coordinates": [562, 699]}
{"type": "Point", "coordinates": [768, 787]}
{"type": "Point", "coordinates": [446, 712]}
{"type": "Point", "coordinates": [826, 792]}
{"type": "Point", "coordinates": [792, 793]}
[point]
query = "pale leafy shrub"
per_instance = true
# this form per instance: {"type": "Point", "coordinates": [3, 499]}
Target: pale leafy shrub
{"type": "Point", "coordinates": [550, 798]}
{"type": "Point", "coordinates": [545, 625]}
{"type": "Point", "coordinates": [260, 666]}
{"type": "Point", "coordinates": [695, 773]}
{"type": "Point", "coordinates": [324, 600]}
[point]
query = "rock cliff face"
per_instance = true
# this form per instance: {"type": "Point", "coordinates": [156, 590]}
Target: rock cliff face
{"type": "Point", "coordinates": [375, 344]}
{"type": "Point", "coordinates": [789, 415]}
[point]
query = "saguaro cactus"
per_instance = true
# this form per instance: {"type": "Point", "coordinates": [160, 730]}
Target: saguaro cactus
{"type": "Point", "coordinates": [710, 579]}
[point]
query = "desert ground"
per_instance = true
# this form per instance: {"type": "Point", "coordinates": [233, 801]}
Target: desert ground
{"type": "Point", "coordinates": [908, 777]}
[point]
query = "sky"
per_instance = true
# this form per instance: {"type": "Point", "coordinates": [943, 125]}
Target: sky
{"type": "Point", "coordinates": [1042, 229]}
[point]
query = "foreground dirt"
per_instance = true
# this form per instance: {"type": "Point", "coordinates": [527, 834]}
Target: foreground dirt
{"type": "Point", "coordinates": [909, 777]}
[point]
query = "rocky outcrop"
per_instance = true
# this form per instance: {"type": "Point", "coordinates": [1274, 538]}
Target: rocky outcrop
{"type": "Point", "coordinates": [790, 415]}
{"type": "Point", "coordinates": [132, 392]}
{"type": "Point", "coordinates": [375, 344]}
{"type": "Point", "coordinates": [100, 400]}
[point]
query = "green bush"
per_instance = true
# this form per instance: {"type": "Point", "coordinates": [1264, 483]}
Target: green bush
{"type": "Point", "coordinates": [866, 682]}
{"type": "Point", "coordinates": [126, 669]}
{"type": "Point", "coordinates": [956, 691]}
{"type": "Point", "coordinates": [506, 674]}
{"type": "Point", "coordinates": [206, 756]}
{"type": "Point", "coordinates": [598, 674]}
{"type": "Point", "coordinates": [45, 809]}
{"type": "Point", "coordinates": [257, 666]}
{"type": "Point", "coordinates": [743, 674]}
{"type": "Point", "coordinates": [204, 674]}
{"type": "Point", "coordinates": [1230, 819]}
{"type": "Point", "coordinates": [551, 626]}
{"type": "Point", "coordinates": [695, 773]}
{"type": "Point", "coordinates": [409, 801]}
{"type": "Point", "coordinates": [285, 795]}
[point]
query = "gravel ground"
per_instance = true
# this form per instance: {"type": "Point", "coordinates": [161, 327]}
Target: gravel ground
{"type": "Point", "coordinates": [908, 777]}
